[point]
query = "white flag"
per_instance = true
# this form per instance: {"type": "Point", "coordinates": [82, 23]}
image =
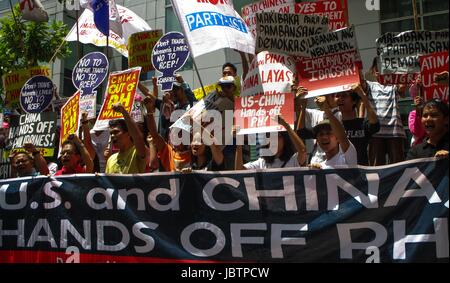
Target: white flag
{"type": "Point", "coordinates": [210, 27]}
{"type": "Point", "coordinates": [88, 33]}
{"type": "Point", "coordinates": [32, 10]}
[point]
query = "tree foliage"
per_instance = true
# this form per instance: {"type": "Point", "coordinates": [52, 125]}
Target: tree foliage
{"type": "Point", "coordinates": [24, 44]}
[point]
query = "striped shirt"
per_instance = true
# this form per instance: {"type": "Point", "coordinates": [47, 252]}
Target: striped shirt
{"type": "Point", "coordinates": [385, 102]}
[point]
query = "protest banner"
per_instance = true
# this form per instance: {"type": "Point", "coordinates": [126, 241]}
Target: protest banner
{"type": "Point", "coordinates": [254, 114]}
{"type": "Point", "coordinates": [89, 34]}
{"type": "Point", "coordinates": [14, 81]}
{"type": "Point", "coordinates": [335, 10]}
{"type": "Point", "coordinates": [287, 33]}
{"type": "Point", "coordinates": [70, 117]}
{"type": "Point", "coordinates": [140, 47]}
{"type": "Point", "coordinates": [121, 88]}
{"type": "Point", "coordinates": [430, 65]}
{"type": "Point", "coordinates": [269, 73]}
{"type": "Point", "coordinates": [36, 94]}
{"type": "Point", "coordinates": [396, 213]}
{"type": "Point", "coordinates": [36, 128]}
{"type": "Point", "coordinates": [249, 11]}
{"type": "Point", "coordinates": [169, 55]}
{"type": "Point", "coordinates": [398, 54]}
{"type": "Point", "coordinates": [87, 75]}
{"type": "Point", "coordinates": [213, 25]}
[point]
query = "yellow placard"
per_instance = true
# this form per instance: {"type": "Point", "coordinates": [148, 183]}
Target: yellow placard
{"type": "Point", "coordinates": [13, 83]}
{"type": "Point", "coordinates": [140, 47]}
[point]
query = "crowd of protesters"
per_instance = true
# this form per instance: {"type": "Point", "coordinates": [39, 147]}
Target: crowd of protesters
{"type": "Point", "coordinates": [361, 126]}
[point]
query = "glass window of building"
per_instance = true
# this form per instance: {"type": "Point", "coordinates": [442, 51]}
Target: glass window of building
{"type": "Point", "coordinates": [397, 16]}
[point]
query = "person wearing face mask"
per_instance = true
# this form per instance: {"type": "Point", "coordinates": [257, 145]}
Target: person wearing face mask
{"type": "Point", "coordinates": [435, 122]}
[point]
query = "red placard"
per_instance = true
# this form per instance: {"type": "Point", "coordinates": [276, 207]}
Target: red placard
{"type": "Point", "coordinates": [329, 74]}
{"type": "Point", "coordinates": [335, 10]}
{"type": "Point", "coordinates": [253, 113]}
{"type": "Point", "coordinates": [429, 66]}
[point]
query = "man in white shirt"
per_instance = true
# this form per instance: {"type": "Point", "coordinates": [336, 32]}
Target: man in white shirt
{"type": "Point", "coordinates": [332, 139]}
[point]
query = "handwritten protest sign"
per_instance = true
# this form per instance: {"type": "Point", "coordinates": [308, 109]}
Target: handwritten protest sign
{"type": "Point", "coordinates": [287, 33]}
{"type": "Point", "coordinates": [334, 64]}
{"type": "Point", "coordinates": [329, 74]}
{"type": "Point", "coordinates": [253, 113]}
{"type": "Point", "coordinates": [335, 42]}
{"type": "Point", "coordinates": [70, 117]}
{"type": "Point", "coordinates": [168, 56]}
{"type": "Point", "coordinates": [87, 75]}
{"type": "Point", "coordinates": [36, 95]}
{"type": "Point", "coordinates": [399, 54]}
{"type": "Point", "coordinates": [14, 81]}
{"type": "Point", "coordinates": [249, 11]}
{"type": "Point", "coordinates": [140, 47]}
{"type": "Point", "coordinates": [121, 88]}
{"type": "Point", "coordinates": [335, 10]}
{"type": "Point", "coordinates": [269, 73]}
{"type": "Point", "coordinates": [36, 128]}
{"type": "Point", "coordinates": [430, 65]}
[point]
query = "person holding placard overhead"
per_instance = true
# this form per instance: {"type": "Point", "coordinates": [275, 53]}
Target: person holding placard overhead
{"type": "Point", "coordinates": [133, 155]}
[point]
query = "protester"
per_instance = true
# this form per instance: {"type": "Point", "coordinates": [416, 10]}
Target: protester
{"type": "Point", "coordinates": [172, 157]}
{"type": "Point", "coordinates": [390, 138]}
{"type": "Point", "coordinates": [229, 69]}
{"type": "Point", "coordinates": [435, 122]}
{"type": "Point", "coordinates": [180, 97]}
{"type": "Point", "coordinates": [285, 155]}
{"type": "Point", "coordinates": [133, 155]}
{"type": "Point", "coordinates": [415, 116]}
{"type": "Point", "coordinates": [332, 139]}
{"type": "Point", "coordinates": [308, 118]}
{"type": "Point", "coordinates": [358, 130]}
{"type": "Point", "coordinates": [29, 163]}
{"type": "Point", "coordinates": [206, 157]}
{"type": "Point", "coordinates": [75, 157]}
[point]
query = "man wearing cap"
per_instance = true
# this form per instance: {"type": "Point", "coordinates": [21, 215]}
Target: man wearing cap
{"type": "Point", "coordinates": [332, 139]}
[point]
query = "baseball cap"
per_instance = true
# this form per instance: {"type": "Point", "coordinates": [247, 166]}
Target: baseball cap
{"type": "Point", "coordinates": [324, 124]}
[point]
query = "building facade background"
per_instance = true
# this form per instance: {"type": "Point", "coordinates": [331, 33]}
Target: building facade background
{"type": "Point", "coordinates": [393, 16]}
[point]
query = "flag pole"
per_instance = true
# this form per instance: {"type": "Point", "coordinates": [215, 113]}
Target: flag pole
{"type": "Point", "coordinates": [189, 45]}
{"type": "Point", "coordinates": [78, 35]}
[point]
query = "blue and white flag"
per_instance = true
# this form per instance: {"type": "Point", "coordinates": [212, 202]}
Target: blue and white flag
{"type": "Point", "coordinates": [106, 15]}
{"type": "Point", "coordinates": [209, 27]}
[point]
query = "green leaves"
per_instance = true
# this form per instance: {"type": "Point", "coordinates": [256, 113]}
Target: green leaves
{"type": "Point", "coordinates": [24, 44]}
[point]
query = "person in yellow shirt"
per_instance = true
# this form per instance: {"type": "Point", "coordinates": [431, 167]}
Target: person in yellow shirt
{"type": "Point", "coordinates": [133, 155]}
